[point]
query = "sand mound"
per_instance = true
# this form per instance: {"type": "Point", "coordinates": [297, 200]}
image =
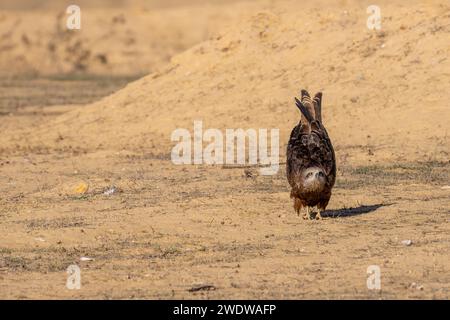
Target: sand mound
{"type": "Point", "coordinates": [386, 92]}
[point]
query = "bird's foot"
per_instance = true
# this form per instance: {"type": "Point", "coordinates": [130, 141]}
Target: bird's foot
{"type": "Point", "coordinates": [307, 215]}
{"type": "Point", "coordinates": [318, 215]}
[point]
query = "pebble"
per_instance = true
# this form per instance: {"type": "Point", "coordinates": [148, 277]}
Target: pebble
{"type": "Point", "coordinates": [407, 242]}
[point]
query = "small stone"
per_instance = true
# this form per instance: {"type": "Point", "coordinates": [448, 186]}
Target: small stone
{"type": "Point", "coordinates": [248, 173]}
{"type": "Point", "coordinates": [407, 242]}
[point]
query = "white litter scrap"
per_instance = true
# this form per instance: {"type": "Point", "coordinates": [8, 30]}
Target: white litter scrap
{"type": "Point", "coordinates": [86, 259]}
{"type": "Point", "coordinates": [110, 191]}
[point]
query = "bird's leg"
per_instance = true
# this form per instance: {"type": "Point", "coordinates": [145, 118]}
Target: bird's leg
{"type": "Point", "coordinates": [307, 216]}
{"type": "Point", "coordinates": [318, 215]}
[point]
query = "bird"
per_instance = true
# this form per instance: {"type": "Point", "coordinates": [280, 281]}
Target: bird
{"type": "Point", "coordinates": [310, 158]}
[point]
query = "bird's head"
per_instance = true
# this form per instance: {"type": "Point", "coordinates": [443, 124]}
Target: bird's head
{"type": "Point", "coordinates": [314, 179]}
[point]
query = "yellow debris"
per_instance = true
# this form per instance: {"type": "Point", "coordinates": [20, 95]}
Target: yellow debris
{"type": "Point", "coordinates": [82, 188]}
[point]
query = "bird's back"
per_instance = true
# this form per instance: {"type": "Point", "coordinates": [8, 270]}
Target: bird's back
{"type": "Point", "coordinates": [306, 150]}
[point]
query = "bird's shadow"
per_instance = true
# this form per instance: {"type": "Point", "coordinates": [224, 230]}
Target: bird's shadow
{"type": "Point", "coordinates": [348, 212]}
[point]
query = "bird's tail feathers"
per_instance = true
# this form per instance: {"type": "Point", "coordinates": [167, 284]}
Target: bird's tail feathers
{"type": "Point", "coordinates": [311, 109]}
{"type": "Point", "coordinates": [318, 106]}
{"type": "Point", "coordinates": [304, 110]}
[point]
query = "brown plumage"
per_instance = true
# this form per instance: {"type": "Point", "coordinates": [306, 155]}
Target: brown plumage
{"type": "Point", "coordinates": [311, 164]}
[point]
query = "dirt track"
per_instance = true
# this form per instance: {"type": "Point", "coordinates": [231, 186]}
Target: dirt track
{"type": "Point", "coordinates": [170, 228]}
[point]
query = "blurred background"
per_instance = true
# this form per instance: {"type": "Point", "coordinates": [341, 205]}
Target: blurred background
{"type": "Point", "coordinates": [42, 63]}
{"type": "Point", "coordinates": [116, 37]}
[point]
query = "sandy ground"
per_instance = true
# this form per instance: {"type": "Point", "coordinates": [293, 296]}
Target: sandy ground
{"type": "Point", "coordinates": [198, 231]}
